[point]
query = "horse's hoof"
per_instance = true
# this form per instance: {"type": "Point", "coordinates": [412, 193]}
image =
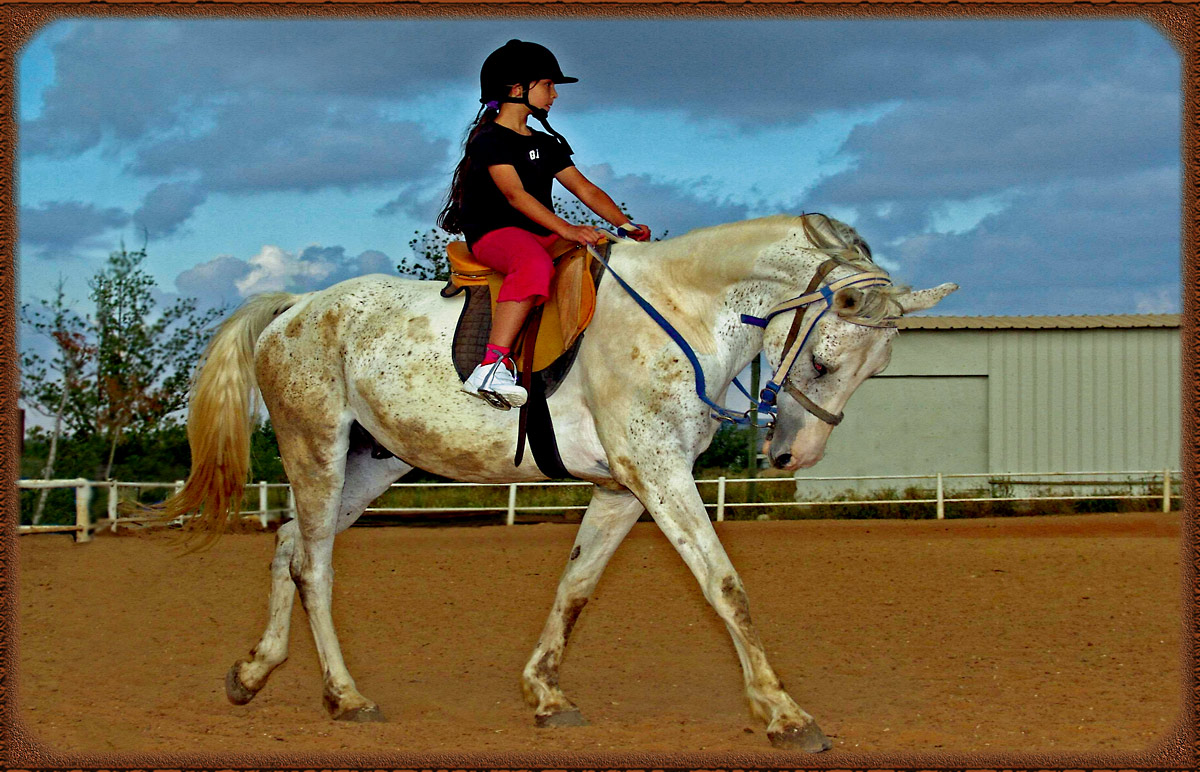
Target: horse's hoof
{"type": "Point", "coordinates": [808, 738]}
{"type": "Point", "coordinates": [235, 690]}
{"type": "Point", "coordinates": [364, 715]}
{"type": "Point", "coordinates": [561, 718]}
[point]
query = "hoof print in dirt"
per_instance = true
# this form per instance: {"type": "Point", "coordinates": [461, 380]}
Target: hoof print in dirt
{"type": "Point", "coordinates": [809, 738]}
{"type": "Point", "coordinates": [560, 719]}
{"type": "Point", "coordinates": [237, 693]}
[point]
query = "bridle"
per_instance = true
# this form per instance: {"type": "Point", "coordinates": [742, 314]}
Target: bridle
{"type": "Point", "coordinates": [800, 331]}
{"type": "Point", "coordinates": [798, 334]}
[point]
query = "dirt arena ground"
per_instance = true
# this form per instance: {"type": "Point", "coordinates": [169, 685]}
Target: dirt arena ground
{"type": "Point", "coordinates": [1054, 635]}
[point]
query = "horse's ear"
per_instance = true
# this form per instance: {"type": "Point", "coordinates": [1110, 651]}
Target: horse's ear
{"type": "Point", "coordinates": [924, 299]}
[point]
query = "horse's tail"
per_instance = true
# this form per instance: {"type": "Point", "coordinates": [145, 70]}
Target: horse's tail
{"type": "Point", "coordinates": [221, 410]}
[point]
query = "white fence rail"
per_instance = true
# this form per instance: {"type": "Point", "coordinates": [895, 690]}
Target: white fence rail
{"type": "Point", "coordinates": [1039, 483]}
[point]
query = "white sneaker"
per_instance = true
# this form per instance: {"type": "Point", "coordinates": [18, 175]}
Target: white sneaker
{"type": "Point", "coordinates": [497, 385]}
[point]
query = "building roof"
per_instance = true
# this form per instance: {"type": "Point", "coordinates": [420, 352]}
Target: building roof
{"type": "Point", "coordinates": [1089, 322]}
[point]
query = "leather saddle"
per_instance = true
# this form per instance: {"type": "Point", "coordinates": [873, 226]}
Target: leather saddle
{"type": "Point", "coordinates": [552, 329]}
{"type": "Point", "coordinates": [545, 348]}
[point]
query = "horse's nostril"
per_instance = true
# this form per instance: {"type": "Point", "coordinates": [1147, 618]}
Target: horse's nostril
{"type": "Point", "coordinates": [779, 462]}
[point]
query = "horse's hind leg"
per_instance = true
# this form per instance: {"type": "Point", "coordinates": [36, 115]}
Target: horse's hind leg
{"type": "Point", "coordinates": [608, 519]}
{"type": "Point", "coordinates": [366, 479]}
{"type": "Point", "coordinates": [322, 514]}
{"type": "Point", "coordinates": [248, 676]}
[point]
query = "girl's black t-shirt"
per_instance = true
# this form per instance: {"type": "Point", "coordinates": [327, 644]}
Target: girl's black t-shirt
{"type": "Point", "coordinates": [537, 158]}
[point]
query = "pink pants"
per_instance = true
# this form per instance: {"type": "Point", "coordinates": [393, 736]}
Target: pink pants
{"type": "Point", "coordinates": [523, 258]}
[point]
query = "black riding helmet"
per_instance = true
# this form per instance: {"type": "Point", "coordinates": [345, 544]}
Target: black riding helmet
{"type": "Point", "coordinates": [518, 62]}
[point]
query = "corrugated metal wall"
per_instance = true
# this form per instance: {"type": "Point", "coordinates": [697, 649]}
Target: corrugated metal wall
{"type": "Point", "coordinates": [1083, 400]}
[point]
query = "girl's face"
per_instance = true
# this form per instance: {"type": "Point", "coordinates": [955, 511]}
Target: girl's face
{"type": "Point", "coordinates": [542, 94]}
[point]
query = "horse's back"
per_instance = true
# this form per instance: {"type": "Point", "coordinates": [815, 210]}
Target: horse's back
{"type": "Point", "coordinates": [362, 329]}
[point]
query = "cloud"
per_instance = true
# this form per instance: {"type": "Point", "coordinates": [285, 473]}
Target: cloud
{"type": "Point", "coordinates": [127, 79]}
{"type": "Point", "coordinates": [964, 147]}
{"type": "Point", "coordinates": [1062, 128]}
{"type": "Point", "coordinates": [421, 202]}
{"type": "Point", "coordinates": [1162, 300]}
{"type": "Point", "coordinates": [229, 280]}
{"type": "Point", "coordinates": [274, 143]}
{"type": "Point", "coordinates": [167, 207]}
{"type": "Point", "coordinates": [1111, 248]}
{"type": "Point", "coordinates": [213, 283]}
{"type": "Point", "coordinates": [57, 228]}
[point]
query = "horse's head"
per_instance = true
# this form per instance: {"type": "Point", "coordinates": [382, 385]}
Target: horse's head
{"type": "Point", "coordinates": [829, 346]}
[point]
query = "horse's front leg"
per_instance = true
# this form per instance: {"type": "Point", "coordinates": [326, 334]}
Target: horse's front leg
{"type": "Point", "coordinates": [609, 516]}
{"type": "Point", "coordinates": [675, 504]}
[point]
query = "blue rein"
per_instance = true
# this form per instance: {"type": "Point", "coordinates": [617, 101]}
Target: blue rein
{"type": "Point", "coordinates": [720, 412]}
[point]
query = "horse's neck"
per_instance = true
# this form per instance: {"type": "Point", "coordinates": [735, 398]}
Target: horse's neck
{"type": "Point", "coordinates": [703, 282]}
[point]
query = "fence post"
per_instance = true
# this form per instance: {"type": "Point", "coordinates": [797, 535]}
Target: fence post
{"type": "Point", "coordinates": [941, 505]}
{"type": "Point", "coordinates": [291, 500]}
{"type": "Point", "coordinates": [721, 499]}
{"type": "Point", "coordinates": [1166, 490]}
{"type": "Point", "coordinates": [262, 503]}
{"type": "Point", "coordinates": [113, 494]}
{"type": "Point", "coordinates": [83, 500]}
{"type": "Point", "coordinates": [512, 504]}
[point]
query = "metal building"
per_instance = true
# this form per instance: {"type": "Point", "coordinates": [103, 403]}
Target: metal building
{"type": "Point", "coordinates": [1019, 394]}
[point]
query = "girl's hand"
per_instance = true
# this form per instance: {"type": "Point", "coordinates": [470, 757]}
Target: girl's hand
{"type": "Point", "coordinates": [580, 234]}
{"type": "Point", "coordinates": [635, 231]}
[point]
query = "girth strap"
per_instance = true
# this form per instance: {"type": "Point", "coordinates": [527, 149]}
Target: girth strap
{"type": "Point", "coordinates": [534, 424]}
{"type": "Point", "coordinates": [532, 323]}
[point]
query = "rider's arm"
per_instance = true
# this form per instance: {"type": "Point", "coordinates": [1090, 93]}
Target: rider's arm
{"type": "Point", "coordinates": [591, 195]}
{"type": "Point", "coordinates": [509, 182]}
{"type": "Point", "coordinates": [598, 201]}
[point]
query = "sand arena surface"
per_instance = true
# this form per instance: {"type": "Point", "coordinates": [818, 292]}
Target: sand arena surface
{"type": "Point", "coordinates": [1053, 634]}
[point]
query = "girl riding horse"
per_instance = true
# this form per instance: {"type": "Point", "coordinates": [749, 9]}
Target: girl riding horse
{"type": "Point", "coordinates": [500, 200]}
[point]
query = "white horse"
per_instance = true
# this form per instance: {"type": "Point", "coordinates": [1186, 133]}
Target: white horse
{"type": "Point", "coordinates": [376, 350]}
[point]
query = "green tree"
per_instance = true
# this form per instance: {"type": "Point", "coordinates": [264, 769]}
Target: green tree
{"type": "Point", "coordinates": [49, 386]}
{"type": "Point", "coordinates": [144, 356]}
{"type": "Point", "coordinates": [120, 373]}
{"type": "Point", "coordinates": [729, 449]}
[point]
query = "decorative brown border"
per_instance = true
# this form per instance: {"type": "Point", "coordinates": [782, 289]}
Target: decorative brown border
{"type": "Point", "coordinates": [20, 20]}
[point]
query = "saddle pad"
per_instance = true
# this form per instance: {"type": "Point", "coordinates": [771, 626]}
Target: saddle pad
{"type": "Point", "coordinates": [475, 325]}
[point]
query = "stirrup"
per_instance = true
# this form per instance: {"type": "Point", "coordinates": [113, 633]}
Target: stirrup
{"type": "Point", "coordinates": [492, 398]}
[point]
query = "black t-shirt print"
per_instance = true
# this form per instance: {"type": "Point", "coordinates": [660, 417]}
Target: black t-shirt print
{"type": "Point", "coordinates": [537, 158]}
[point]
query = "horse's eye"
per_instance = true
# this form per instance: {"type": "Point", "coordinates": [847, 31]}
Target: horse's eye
{"type": "Point", "coordinates": [819, 367]}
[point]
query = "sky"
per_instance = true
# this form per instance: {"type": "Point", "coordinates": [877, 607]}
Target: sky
{"type": "Point", "coordinates": [1036, 163]}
